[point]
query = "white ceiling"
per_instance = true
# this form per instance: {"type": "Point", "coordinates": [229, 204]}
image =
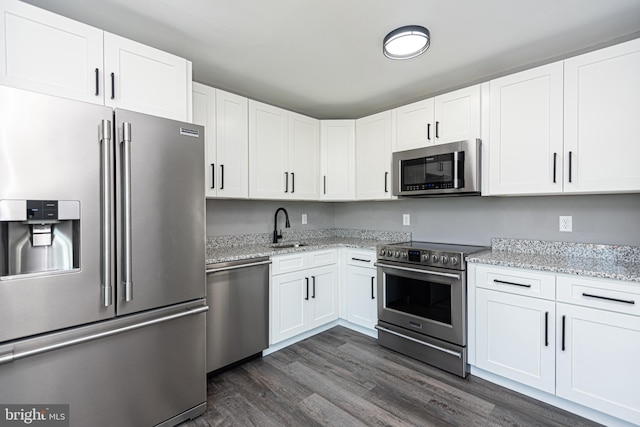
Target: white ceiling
{"type": "Point", "coordinates": [324, 58]}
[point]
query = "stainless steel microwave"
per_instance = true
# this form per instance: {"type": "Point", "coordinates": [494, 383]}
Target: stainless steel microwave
{"type": "Point", "coordinates": [451, 169]}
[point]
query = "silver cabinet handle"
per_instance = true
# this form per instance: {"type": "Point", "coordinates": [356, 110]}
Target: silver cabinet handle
{"type": "Point", "coordinates": [11, 357]}
{"type": "Point", "coordinates": [435, 347]}
{"type": "Point", "coordinates": [126, 214]}
{"type": "Point", "coordinates": [105, 176]}
{"type": "Point", "coordinates": [361, 259]}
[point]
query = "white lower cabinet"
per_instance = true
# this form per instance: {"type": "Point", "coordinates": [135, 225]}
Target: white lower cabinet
{"type": "Point", "coordinates": [580, 343]}
{"type": "Point", "coordinates": [361, 288]}
{"type": "Point", "coordinates": [515, 338]}
{"type": "Point", "coordinates": [304, 293]}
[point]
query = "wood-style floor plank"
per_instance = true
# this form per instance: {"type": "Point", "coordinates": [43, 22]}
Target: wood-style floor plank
{"type": "Point", "coordinates": [343, 378]}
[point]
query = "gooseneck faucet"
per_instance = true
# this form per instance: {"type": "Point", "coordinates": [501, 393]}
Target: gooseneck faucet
{"type": "Point", "coordinates": [277, 236]}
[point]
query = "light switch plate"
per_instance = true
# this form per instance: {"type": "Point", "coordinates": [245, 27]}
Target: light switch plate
{"type": "Point", "coordinates": [406, 219]}
{"type": "Point", "coordinates": [304, 218]}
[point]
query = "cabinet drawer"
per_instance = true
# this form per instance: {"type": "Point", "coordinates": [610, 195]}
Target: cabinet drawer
{"type": "Point", "coordinates": [287, 263]}
{"type": "Point", "coordinates": [320, 258]}
{"type": "Point", "coordinates": [516, 281]}
{"type": "Point", "coordinates": [361, 258]}
{"type": "Point", "coordinates": [612, 295]}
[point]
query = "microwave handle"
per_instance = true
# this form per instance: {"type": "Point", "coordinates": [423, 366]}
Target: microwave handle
{"type": "Point", "coordinates": [456, 169]}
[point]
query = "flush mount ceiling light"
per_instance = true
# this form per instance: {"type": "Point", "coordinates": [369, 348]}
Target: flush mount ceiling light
{"type": "Point", "coordinates": [406, 42]}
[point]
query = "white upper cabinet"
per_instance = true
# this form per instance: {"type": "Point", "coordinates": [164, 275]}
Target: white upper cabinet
{"type": "Point", "coordinates": [225, 117]}
{"type": "Point", "coordinates": [569, 126]}
{"type": "Point", "coordinates": [232, 144]}
{"type": "Point", "coordinates": [453, 116]}
{"type": "Point", "coordinates": [204, 113]}
{"type": "Point", "coordinates": [602, 111]}
{"type": "Point", "coordinates": [284, 154]}
{"type": "Point", "coordinates": [304, 157]}
{"type": "Point", "coordinates": [338, 159]}
{"type": "Point", "coordinates": [526, 132]}
{"type": "Point", "coordinates": [413, 125]}
{"type": "Point", "coordinates": [457, 115]}
{"type": "Point", "coordinates": [145, 79]}
{"type": "Point", "coordinates": [268, 152]}
{"type": "Point", "coordinates": [47, 53]}
{"type": "Point", "coordinates": [373, 157]}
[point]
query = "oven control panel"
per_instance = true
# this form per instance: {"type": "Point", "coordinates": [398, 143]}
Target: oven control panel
{"type": "Point", "coordinates": [421, 257]}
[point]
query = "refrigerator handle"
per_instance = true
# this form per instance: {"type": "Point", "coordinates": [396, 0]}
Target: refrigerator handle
{"type": "Point", "coordinates": [126, 214]}
{"type": "Point", "coordinates": [105, 141]}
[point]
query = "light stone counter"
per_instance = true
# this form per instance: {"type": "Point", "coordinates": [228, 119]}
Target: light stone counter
{"type": "Point", "coordinates": [591, 260]}
{"type": "Point", "coordinates": [235, 248]}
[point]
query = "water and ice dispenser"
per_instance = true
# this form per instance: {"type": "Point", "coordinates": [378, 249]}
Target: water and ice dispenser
{"type": "Point", "coordinates": [39, 236]}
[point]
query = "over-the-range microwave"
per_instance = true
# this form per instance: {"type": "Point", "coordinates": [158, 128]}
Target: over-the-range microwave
{"type": "Point", "coordinates": [451, 169]}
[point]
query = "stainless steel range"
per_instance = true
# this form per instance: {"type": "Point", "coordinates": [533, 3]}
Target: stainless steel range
{"type": "Point", "coordinates": [422, 311]}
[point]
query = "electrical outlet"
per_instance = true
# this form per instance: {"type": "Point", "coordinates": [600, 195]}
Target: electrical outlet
{"type": "Point", "coordinates": [304, 218]}
{"type": "Point", "coordinates": [566, 224]}
{"type": "Point", "coordinates": [406, 219]}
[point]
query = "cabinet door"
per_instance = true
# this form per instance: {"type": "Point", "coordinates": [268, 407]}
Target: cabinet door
{"type": "Point", "coordinates": [602, 100]}
{"type": "Point", "coordinates": [304, 160]}
{"type": "Point", "coordinates": [457, 115]}
{"type": "Point", "coordinates": [525, 152]}
{"type": "Point", "coordinates": [204, 113]}
{"type": "Point", "coordinates": [414, 125]}
{"type": "Point", "coordinates": [515, 338]}
{"type": "Point", "coordinates": [373, 157]}
{"type": "Point", "coordinates": [338, 159]}
{"type": "Point", "coordinates": [597, 360]}
{"type": "Point", "coordinates": [141, 78]}
{"type": "Point", "coordinates": [324, 295]}
{"type": "Point", "coordinates": [362, 296]}
{"type": "Point", "coordinates": [268, 152]}
{"type": "Point", "coordinates": [232, 142]}
{"type": "Point", "coordinates": [47, 53]}
{"type": "Point", "coordinates": [289, 305]}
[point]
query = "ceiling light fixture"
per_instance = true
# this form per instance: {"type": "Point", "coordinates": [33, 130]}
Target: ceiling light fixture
{"type": "Point", "coordinates": [406, 42]}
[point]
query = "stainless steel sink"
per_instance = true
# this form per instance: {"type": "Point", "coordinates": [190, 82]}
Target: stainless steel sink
{"type": "Point", "coordinates": [287, 245]}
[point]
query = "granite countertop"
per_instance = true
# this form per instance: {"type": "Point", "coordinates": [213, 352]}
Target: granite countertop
{"type": "Point", "coordinates": [589, 260]}
{"type": "Point", "coordinates": [235, 248]}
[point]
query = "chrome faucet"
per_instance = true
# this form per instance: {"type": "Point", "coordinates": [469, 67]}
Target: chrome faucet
{"type": "Point", "coordinates": [277, 236]}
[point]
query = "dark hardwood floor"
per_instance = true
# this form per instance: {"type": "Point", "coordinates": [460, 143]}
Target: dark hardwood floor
{"type": "Point", "coordinates": [343, 378]}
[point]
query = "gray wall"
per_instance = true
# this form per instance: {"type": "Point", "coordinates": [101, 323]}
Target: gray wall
{"type": "Point", "coordinates": [607, 219]}
{"type": "Point", "coordinates": [228, 217]}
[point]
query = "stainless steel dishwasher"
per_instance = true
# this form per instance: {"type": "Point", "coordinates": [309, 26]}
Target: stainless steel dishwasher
{"type": "Point", "coordinates": [238, 316]}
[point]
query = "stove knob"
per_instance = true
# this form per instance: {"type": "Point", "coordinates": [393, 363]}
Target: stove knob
{"type": "Point", "coordinates": [396, 254]}
{"type": "Point", "coordinates": [434, 258]}
{"type": "Point", "coordinates": [389, 253]}
{"type": "Point", "coordinates": [404, 255]}
{"type": "Point", "coordinates": [382, 252]}
{"type": "Point", "coordinates": [425, 258]}
{"type": "Point", "coordinates": [454, 260]}
{"type": "Point", "coordinates": [444, 259]}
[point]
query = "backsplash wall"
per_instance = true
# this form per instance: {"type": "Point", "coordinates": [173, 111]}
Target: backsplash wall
{"type": "Point", "coordinates": [607, 219]}
{"type": "Point", "coordinates": [229, 217]}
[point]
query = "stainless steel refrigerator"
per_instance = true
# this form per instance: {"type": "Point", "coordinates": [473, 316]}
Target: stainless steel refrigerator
{"type": "Point", "coordinates": [102, 275]}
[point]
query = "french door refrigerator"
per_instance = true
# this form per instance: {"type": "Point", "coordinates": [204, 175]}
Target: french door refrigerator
{"type": "Point", "coordinates": [102, 275]}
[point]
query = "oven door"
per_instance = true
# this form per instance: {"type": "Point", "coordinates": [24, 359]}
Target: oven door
{"type": "Point", "coordinates": [429, 301]}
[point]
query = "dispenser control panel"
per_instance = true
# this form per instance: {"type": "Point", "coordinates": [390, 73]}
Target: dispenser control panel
{"type": "Point", "coordinates": [42, 209]}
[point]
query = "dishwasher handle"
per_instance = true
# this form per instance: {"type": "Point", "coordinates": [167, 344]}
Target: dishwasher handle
{"type": "Point", "coordinates": [235, 267]}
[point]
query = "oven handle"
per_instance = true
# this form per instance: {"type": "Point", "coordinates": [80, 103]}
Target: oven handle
{"type": "Point", "coordinates": [416, 270]}
{"type": "Point", "coordinates": [435, 347]}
